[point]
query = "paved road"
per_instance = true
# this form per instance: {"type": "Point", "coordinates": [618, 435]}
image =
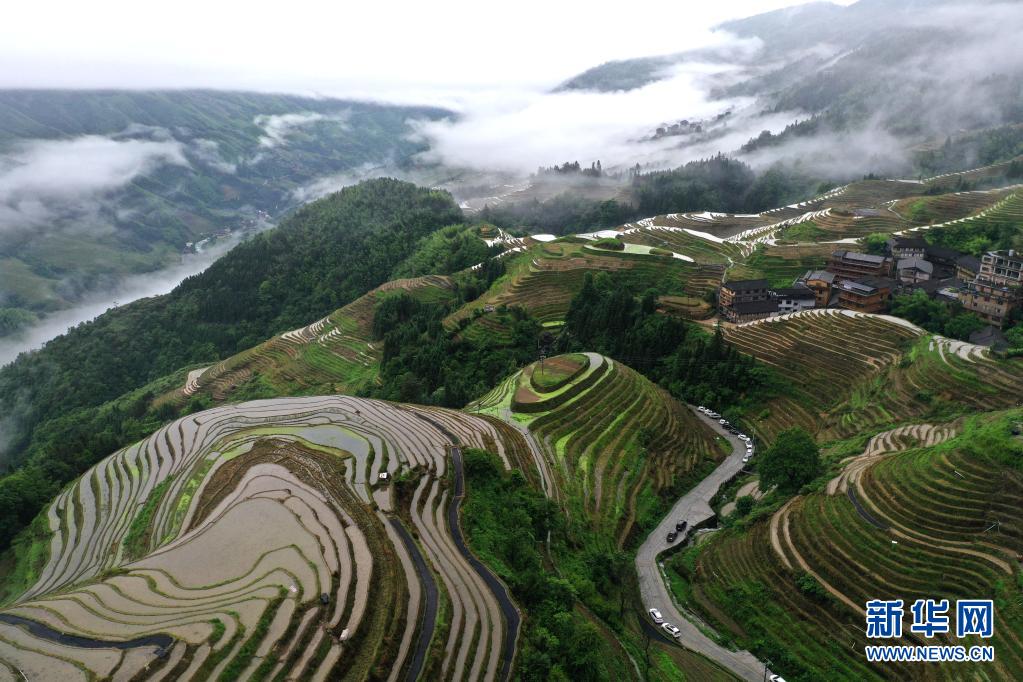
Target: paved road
{"type": "Point", "coordinates": [694, 507]}
{"type": "Point", "coordinates": [504, 600]}
{"type": "Point", "coordinates": [429, 591]}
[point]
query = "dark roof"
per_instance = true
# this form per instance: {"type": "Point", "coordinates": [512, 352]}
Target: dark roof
{"type": "Point", "coordinates": [932, 286]}
{"type": "Point", "coordinates": [943, 253]}
{"type": "Point", "coordinates": [747, 284]}
{"type": "Point", "coordinates": [991, 337]}
{"type": "Point", "coordinates": [754, 307]}
{"type": "Point", "coordinates": [866, 285]}
{"type": "Point", "coordinates": [907, 243]}
{"type": "Point", "coordinates": [794, 292]}
{"type": "Point", "coordinates": [969, 262]}
{"type": "Point", "coordinates": [856, 255]}
{"type": "Point", "coordinates": [822, 275]}
{"type": "Point", "coordinates": [917, 263]}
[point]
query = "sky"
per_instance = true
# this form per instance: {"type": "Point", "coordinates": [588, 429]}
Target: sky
{"type": "Point", "coordinates": [434, 52]}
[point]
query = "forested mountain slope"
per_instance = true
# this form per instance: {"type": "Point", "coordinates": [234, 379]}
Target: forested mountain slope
{"type": "Point", "coordinates": [99, 184]}
{"type": "Point", "coordinates": [323, 256]}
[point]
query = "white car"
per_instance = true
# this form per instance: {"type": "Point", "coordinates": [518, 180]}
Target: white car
{"type": "Point", "coordinates": [743, 436]}
{"type": "Point", "coordinates": [656, 615]}
{"type": "Point", "coordinates": [701, 408]}
{"type": "Point", "coordinates": [672, 630]}
{"type": "Point", "coordinates": [745, 459]}
{"type": "Point", "coordinates": [777, 678]}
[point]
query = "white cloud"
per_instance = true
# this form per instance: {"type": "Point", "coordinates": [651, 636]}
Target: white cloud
{"type": "Point", "coordinates": [520, 131]}
{"type": "Point", "coordinates": [39, 178]}
{"type": "Point", "coordinates": [277, 127]}
{"type": "Point", "coordinates": [208, 151]}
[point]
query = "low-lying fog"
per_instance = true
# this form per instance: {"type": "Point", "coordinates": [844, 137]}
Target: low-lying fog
{"type": "Point", "coordinates": [131, 288]}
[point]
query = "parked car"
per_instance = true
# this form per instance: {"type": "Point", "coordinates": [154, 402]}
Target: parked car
{"type": "Point", "coordinates": [701, 408]}
{"type": "Point", "coordinates": [722, 421]}
{"type": "Point", "coordinates": [672, 630]}
{"type": "Point", "coordinates": [672, 535]}
{"type": "Point", "coordinates": [680, 526]}
{"type": "Point", "coordinates": [656, 615]}
{"type": "Point", "coordinates": [745, 458]}
{"type": "Point", "coordinates": [743, 436]}
{"type": "Point", "coordinates": [777, 678]}
{"type": "Point", "coordinates": [713, 415]}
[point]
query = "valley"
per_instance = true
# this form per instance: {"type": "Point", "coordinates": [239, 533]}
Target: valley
{"type": "Point", "coordinates": [347, 343]}
{"type": "Point", "coordinates": [359, 498]}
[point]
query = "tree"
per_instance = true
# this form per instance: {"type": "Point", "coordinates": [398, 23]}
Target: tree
{"type": "Point", "coordinates": [875, 243]}
{"type": "Point", "coordinates": [744, 505]}
{"type": "Point", "coordinates": [1015, 337]}
{"type": "Point", "coordinates": [791, 462]}
{"type": "Point", "coordinates": [961, 326]}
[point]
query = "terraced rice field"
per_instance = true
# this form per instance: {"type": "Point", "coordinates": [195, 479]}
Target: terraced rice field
{"type": "Point", "coordinates": [850, 372]}
{"type": "Point", "coordinates": [1008, 210]}
{"type": "Point", "coordinates": [334, 354]}
{"type": "Point", "coordinates": [612, 439]}
{"type": "Point", "coordinates": [946, 207]}
{"type": "Point", "coordinates": [544, 279]}
{"type": "Point", "coordinates": [919, 514]}
{"type": "Point", "coordinates": [782, 265]}
{"type": "Point", "coordinates": [260, 541]}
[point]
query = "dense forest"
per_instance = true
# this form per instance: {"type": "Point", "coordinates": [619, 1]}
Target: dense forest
{"type": "Point", "coordinates": [320, 258]}
{"type": "Point", "coordinates": [716, 184]}
{"type": "Point", "coordinates": [608, 317]}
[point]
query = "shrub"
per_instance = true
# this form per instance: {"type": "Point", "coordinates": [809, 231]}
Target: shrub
{"type": "Point", "coordinates": [610, 243]}
{"type": "Point", "coordinates": [744, 505]}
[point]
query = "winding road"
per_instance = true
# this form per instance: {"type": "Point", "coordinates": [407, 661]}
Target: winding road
{"type": "Point", "coordinates": [694, 508]}
{"type": "Point", "coordinates": [430, 610]}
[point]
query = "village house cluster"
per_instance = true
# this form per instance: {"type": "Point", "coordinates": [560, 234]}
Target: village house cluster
{"type": "Point", "coordinates": [990, 286]}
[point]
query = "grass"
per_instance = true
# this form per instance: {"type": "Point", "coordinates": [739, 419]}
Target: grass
{"type": "Point", "coordinates": [136, 541]}
{"type": "Point", "coordinates": [802, 232]}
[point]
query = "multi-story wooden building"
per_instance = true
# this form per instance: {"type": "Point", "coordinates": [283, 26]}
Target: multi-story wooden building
{"type": "Point", "coordinates": [865, 295]}
{"type": "Point", "coordinates": [854, 265]}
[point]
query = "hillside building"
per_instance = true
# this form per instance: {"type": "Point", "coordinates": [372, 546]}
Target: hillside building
{"type": "Point", "coordinates": [820, 282]}
{"type": "Point", "coordinates": [746, 300]}
{"type": "Point", "coordinates": [794, 299]}
{"type": "Point", "coordinates": [913, 270]}
{"type": "Point", "coordinates": [865, 295]}
{"type": "Point", "coordinates": [752, 310]}
{"type": "Point", "coordinates": [997, 290]}
{"type": "Point", "coordinates": [743, 291]}
{"type": "Point", "coordinates": [1002, 267]}
{"type": "Point", "coordinates": [967, 268]}
{"type": "Point", "coordinates": [907, 247]}
{"type": "Point", "coordinates": [854, 265]}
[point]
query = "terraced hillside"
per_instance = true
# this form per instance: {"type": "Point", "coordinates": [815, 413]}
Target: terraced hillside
{"type": "Point", "coordinates": [334, 354]}
{"type": "Point", "coordinates": [926, 511]}
{"type": "Point", "coordinates": [617, 446]}
{"type": "Point", "coordinates": [544, 278]}
{"type": "Point", "coordinates": [265, 540]}
{"type": "Point", "coordinates": [1005, 211]}
{"type": "Point", "coordinates": [851, 372]}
